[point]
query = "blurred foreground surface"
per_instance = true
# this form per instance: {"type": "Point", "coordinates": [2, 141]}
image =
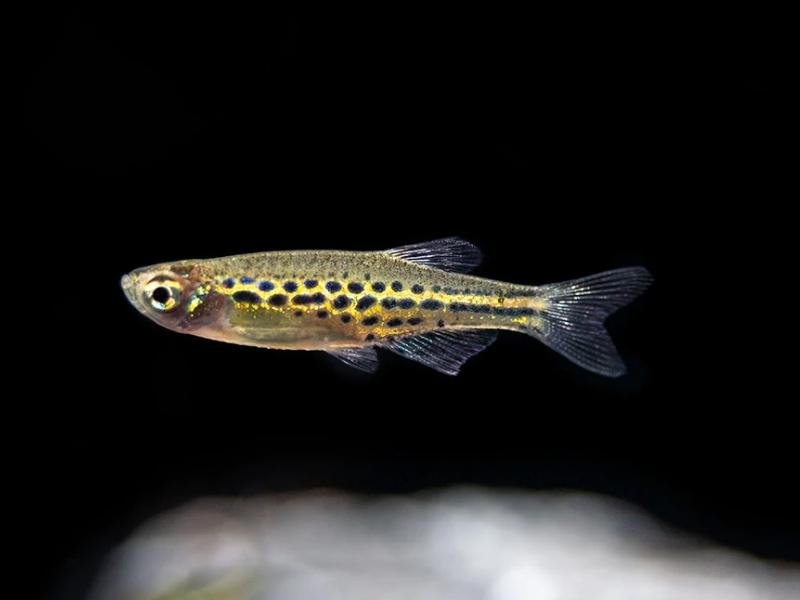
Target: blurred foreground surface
{"type": "Point", "coordinates": [460, 544]}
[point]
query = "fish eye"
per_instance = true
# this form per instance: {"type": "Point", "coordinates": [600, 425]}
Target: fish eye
{"type": "Point", "coordinates": [164, 295]}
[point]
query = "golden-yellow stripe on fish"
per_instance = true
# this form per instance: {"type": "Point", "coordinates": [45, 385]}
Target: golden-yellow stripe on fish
{"type": "Point", "coordinates": [414, 300]}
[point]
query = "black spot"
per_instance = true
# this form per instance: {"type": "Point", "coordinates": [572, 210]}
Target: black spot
{"type": "Point", "coordinates": [355, 288]}
{"type": "Point", "coordinates": [440, 323]}
{"type": "Point", "coordinates": [311, 283]}
{"type": "Point", "coordinates": [414, 321]}
{"type": "Point", "coordinates": [322, 314]}
{"type": "Point", "coordinates": [298, 313]}
{"type": "Point", "coordinates": [333, 286]}
{"type": "Point", "coordinates": [161, 295]}
{"type": "Point", "coordinates": [370, 321]}
{"type": "Point", "coordinates": [318, 298]}
{"type": "Point", "coordinates": [407, 303]}
{"type": "Point", "coordinates": [345, 274]}
{"type": "Point", "coordinates": [346, 318]}
{"type": "Point", "coordinates": [301, 299]}
{"type": "Point", "coordinates": [246, 297]}
{"type": "Point", "coordinates": [369, 337]}
{"type": "Point", "coordinates": [397, 286]}
{"type": "Point", "coordinates": [417, 288]}
{"type": "Point", "coordinates": [379, 286]}
{"type": "Point", "coordinates": [266, 286]}
{"type": "Point", "coordinates": [366, 276]}
{"type": "Point", "coordinates": [341, 301]}
{"type": "Point", "coordinates": [365, 302]}
{"type": "Point", "coordinates": [228, 283]}
{"type": "Point", "coordinates": [431, 305]}
{"type": "Point", "coordinates": [389, 303]}
{"type": "Point", "coordinates": [246, 280]}
{"type": "Point", "coordinates": [277, 300]}
{"type": "Point", "coordinates": [437, 288]}
{"type": "Point", "coordinates": [290, 286]}
{"type": "Point", "coordinates": [394, 322]}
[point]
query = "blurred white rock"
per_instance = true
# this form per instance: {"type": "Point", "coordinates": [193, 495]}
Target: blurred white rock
{"type": "Point", "coordinates": [459, 544]}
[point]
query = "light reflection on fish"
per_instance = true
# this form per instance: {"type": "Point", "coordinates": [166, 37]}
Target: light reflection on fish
{"type": "Point", "coordinates": [415, 300]}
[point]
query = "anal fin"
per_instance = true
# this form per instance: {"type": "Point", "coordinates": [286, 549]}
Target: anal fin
{"type": "Point", "coordinates": [364, 359]}
{"type": "Point", "coordinates": [443, 350]}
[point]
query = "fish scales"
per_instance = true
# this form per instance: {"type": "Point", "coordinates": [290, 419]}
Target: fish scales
{"type": "Point", "coordinates": [414, 300]}
{"type": "Point", "coordinates": [379, 296]}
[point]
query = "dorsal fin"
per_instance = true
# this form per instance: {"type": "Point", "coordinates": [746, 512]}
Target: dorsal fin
{"type": "Point", "coordinates": [448, 254]}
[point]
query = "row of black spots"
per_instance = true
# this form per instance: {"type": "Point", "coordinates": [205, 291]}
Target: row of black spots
{"type": "Point", "coordinates": [431, 305]}
{"type": "Point", "coordinates": [513, 312]}
{"type": "Point", "coordinates": [370, 321]}
{"type": "Point", "coordinates": [404, 303]}
{"type": "Point", "coordinates": [318, 298]}
{"type": "Point", "coordinates": [487, 309]}
{"type": "Point", "coordinates": [365, 302]}
{"type": "Point", "coordinates": [246, 297]}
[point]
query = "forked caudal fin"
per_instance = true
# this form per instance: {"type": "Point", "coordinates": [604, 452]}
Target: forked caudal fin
{"type": "Point", "coordinates": [571, 320]}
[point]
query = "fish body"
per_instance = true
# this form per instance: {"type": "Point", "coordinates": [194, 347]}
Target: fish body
{"type": "Point", "coordinates": [416, 300]}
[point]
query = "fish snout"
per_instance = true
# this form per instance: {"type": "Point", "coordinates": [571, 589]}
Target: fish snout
{"type": "Point", "coordinates": [128, 284]}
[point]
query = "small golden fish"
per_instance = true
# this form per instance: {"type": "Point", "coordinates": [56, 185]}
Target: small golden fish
{"type": "Point", "coordinates": [414, 300]}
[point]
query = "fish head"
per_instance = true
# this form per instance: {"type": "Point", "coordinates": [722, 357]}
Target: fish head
{"type": "Point", "coordinates": [178, 296]}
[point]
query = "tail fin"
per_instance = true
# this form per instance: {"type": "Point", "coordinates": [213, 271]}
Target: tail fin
{"type": "Point", "coordinates": [571, 319]}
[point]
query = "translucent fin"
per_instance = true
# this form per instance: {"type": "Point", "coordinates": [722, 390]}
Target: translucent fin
{"type": "Point", "coordinates": [365, 359]}
{"type": "Point", "coordinates": [443, 350]}
{"type": "Point", "coordinates": [448, 254]}
{"type": "Point", "coordinates": [572, 319]}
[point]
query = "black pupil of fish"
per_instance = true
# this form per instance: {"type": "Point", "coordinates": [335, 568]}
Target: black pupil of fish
{"type": "Point", "coordinates": [161, 295]}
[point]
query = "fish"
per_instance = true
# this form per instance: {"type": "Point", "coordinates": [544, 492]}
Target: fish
{"type": "Point", "coordinates": [418, 301]}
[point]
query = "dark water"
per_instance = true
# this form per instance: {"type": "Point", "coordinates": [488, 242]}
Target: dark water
{"type": "Point", "coordinates": [560, 142]}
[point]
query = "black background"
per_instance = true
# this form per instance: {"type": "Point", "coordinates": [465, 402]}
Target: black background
{"type": "Point", "coordinates": [562, 142]}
